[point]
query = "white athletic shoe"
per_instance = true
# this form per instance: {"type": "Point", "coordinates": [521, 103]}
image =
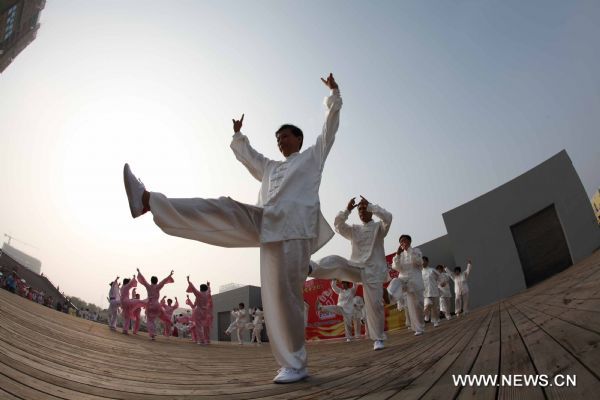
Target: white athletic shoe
{"type": "Point", "coordinates": [348, 340]}
{"type": "Point", "coordinates": [378, 345]}
{"type": "Point", "coordinates": [135, 189]}
{"type": "Point", "coordinates": [418, 333]}
{"type": "Point", "coordinates": [436, 324]}
{"type": "Point", "coordinates": [289, 375]}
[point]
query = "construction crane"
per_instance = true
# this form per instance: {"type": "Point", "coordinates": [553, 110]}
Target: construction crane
{"type": "Point", "coordinates": [18, 240]}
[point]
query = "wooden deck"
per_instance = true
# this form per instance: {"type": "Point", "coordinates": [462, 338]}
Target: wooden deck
{"type": "Point", "coordinates": [553, 328]}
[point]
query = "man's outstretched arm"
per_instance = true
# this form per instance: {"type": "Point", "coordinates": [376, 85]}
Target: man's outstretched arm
{"type": "Point", "coordinates": [332, 122]}
{"type": "Point", "coordinates": [254, 162]}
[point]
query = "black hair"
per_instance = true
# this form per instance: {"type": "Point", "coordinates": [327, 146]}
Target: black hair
{"type": "Point", "coordinates": [457, 268]}
{"type": "Point", "coordinates": [405, 236]}
{"type": "Point", "coordinates": [203, 287]}
{"type": "Point", "coordinates": [126, 281]}
{"type": "Point", "coordinates": [295, 131]}
{"type": "Point", "coordinates": [154, 280]}
{"type": "Point", "coordinates": [241, 305]}
{"type": "Point", "coordinates": [425, 258]}
{"type": "Point", "coordinates": [439, 266]}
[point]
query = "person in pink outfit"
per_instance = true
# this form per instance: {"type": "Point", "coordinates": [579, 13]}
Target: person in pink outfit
{"type": "Point", "coordinates": [190, 320]}
{"type": "Point", "coordinates": [129, 305]}
{"type": "Point", "coordinates": [167, 313]}
{"type": "Point", "coordinates": [153, 307]}
{"type": "Point", "coordinates": [202, 314]}
{"type": "Point", "coordinates": [137, 311]}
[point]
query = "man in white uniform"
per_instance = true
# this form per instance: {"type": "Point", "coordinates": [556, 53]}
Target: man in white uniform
{"type": "Point", "coordinates": [286, 224]}
{"type": "Point", "coordinates": [114, 301]}
{"type": "Point", "coordinates": [432, 294]}
{"type": "Point", "coordinates": [367, 262]}
{"type": "Point", "coordinates": [461, 289]}
{"type": "Point", "coordinates": [408, 262]}
{"type": "Point", "coordinates": [345, 305]}
{"type": "Point", "coordinates": [444, 290]}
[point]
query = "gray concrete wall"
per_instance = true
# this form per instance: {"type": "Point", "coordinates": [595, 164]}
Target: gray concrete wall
{"type": "Point", "coordinates": [439, 251]}
{"type": "Point", "coordinates": [480, 229]}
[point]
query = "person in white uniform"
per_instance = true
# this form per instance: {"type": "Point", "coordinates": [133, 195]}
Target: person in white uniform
{"type": "Point", "coordinates": [257, 325]}
{"type": "Point", "coordinates": [367, 262]}
{"type": "Point", "coordinates": [431, 293]}
{"type": "Point", "coordinates": [359, 316]}
{"type": "Point", "coordinates": [408, 262]}
{"type": "Point", "coordinates": [461, 289]}
{"type": "Point", "coordinates": [345, 305]}
{"type": "Point", "coordinates": [114, 301]}
{"type": "Point", "coordinates": [444, 282]}
{"type": "Point", "coordinates": [286, 224]}
{"type": "Point", "coordinates": [241, 322]}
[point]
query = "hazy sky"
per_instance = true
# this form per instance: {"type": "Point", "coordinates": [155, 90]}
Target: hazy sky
{"type": "Point", "coordinates": [443, 101]}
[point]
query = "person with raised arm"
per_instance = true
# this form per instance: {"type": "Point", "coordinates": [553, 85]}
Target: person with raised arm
{"type": "Point", "coordinates": [202, 311]}
{"type": "Point", "coordinates": [153, 307]}
{"type": "Point", "coordinates": [286, 224]}
{"type": "Point", "coordinates": [461, 289]}
{"type": "Point", "coordinates": [367, 262]}
{"type": "Point", "coordinates": [114, 301]}
{"type": "Point", "coordinates": [408, 261]}
{"type": "Point", "coordinates": [167, 314]}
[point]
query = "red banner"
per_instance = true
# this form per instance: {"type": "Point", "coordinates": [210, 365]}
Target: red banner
{"type": "Point", "coordinates": [325, 325]}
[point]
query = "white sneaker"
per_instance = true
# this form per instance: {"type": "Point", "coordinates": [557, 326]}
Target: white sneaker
{"type": "Point", "coordinates": [289, 375]}
{"type": "Point", "coordinates": [135, 189]}
{"type": "Point", "coordinates": [436, 324]}
{"type": "Point", "coordinates": [418, 333]}
{"type": "Point", "coordinates": [378, 345]}
{"type": "Point", "coordinates": [348, 340]}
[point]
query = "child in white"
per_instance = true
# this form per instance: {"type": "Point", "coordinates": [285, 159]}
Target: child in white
{"type": "Point", "coordinates": [432, 294]}
{"type": "Point", "coordinates": [461, 289]}
{"type": "Point", "coordinates": [444, 290]}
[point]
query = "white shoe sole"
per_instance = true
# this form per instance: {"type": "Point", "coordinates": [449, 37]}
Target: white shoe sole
{"type": "Point", "coordinates": [133, 196]}
{"type": "Point", "coordinates": [291, 380]}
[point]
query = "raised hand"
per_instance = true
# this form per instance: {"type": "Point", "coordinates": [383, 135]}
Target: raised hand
{"type": "Point", "coordinates": [172, 272]}
{"type": "Point", "coordinates": [188, 278]}
{"type": "Point", "coordinates": [237, 124]}
{"type": "Point", "coordinates": [330, 82]}
{"type": "Point", "coordinates": [351, 204]}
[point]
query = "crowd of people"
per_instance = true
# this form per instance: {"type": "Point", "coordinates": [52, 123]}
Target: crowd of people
{"type": "Point", "coordinates": [17, 285]}
{"type": "Point", "coordinates": [288, 227]}
{"type": "Point", "coordinates": [124, 299]}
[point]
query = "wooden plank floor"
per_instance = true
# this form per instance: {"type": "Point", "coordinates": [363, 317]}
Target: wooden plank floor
{"type": "Point", "coordinates": [552, 328]}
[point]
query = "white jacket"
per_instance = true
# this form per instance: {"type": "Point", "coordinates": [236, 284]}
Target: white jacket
{"type": "Point", "coordinates": [345, 297]}
{"type": "Point", "coordinates": [367, 243]}
{"type": "Point", "coordinates": [430, 282]}
{"type": "Point", "coordinates": [444, 285]}
{"type": "Point", "coordinates": [409, 265]}
{"type": "Point", "coordinates": [460, 280]}
{"type": "Point", "coordinates": [289, 194]}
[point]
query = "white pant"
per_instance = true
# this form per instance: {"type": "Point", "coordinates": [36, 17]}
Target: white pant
{"type": "Point", "coordinates": [414, 306]}
{"type": "Point", "coordinates": [336, 267]}
{"type": "Point", "coordinates": [113, 309]}
{"type": "Point", "coordinates": [461, 303]}
{"type": "Point", "coordinates": [283, 265]}
{"type": "Point", "coordinates": [445, 306]}
{"type": "Point", "coordinates": [432, 309]}
{"type": "Point", "coordinates": [256, 332]}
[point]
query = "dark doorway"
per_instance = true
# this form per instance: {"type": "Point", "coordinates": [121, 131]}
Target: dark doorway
{"type": "Point", "coordinates": [542, 246]}
{"type": "Point", "coordinates": [224, 319]}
